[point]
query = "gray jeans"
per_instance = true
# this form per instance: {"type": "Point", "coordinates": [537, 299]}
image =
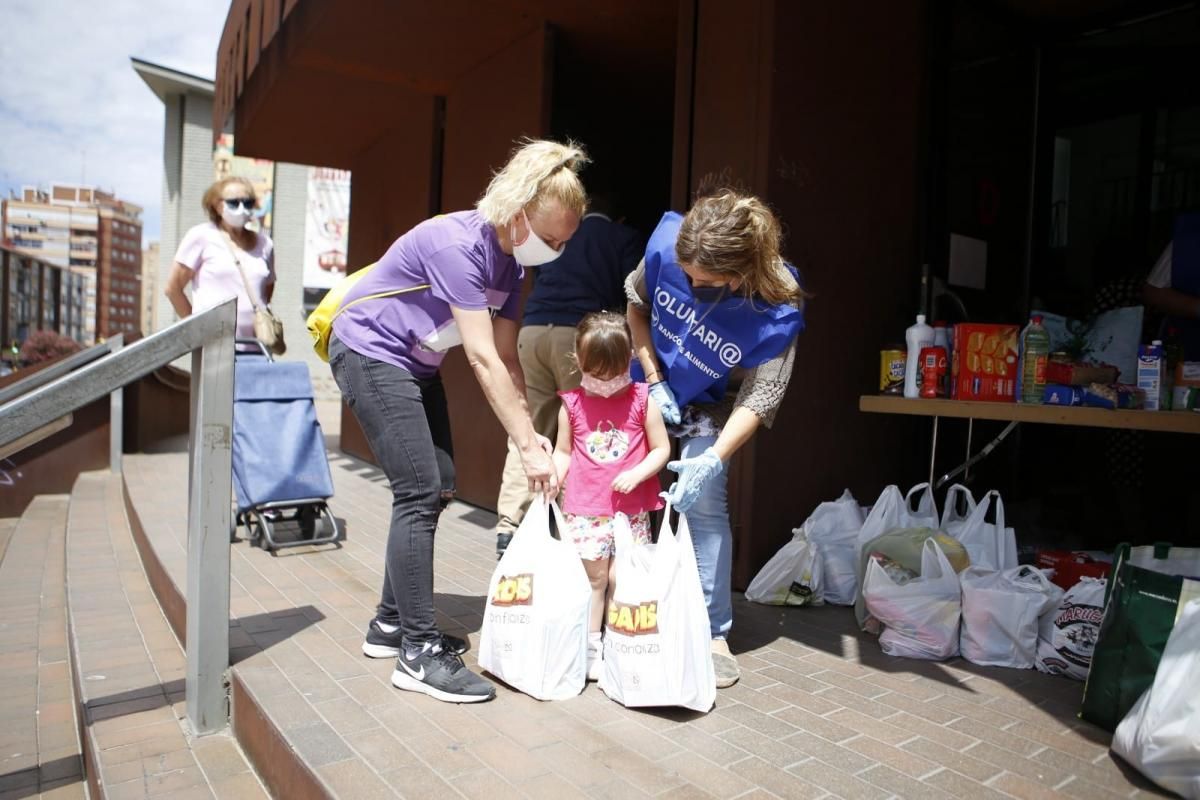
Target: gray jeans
{"type": "Point", "coordinates": [407, 424]}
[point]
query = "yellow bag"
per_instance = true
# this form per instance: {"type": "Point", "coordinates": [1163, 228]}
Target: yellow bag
{"type": "Point", "coordinates": [320, 321]}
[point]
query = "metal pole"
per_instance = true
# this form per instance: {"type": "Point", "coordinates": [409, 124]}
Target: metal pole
{"type": "Point", "coordinates": [970, 432]}
{"type": "Point", "coordinates": [210, 482]}
{"type": "Point", "coordinates": [933, 450]}
{"type": "Point", "coordinates": [116, 415]}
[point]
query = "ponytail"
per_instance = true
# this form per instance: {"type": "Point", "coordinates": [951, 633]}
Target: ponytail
{"type": "Point", "coordinates": [537, 172]}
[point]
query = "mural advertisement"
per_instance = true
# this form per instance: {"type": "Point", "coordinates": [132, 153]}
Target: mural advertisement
{"type": "Point", "coordinates": [326, 227]}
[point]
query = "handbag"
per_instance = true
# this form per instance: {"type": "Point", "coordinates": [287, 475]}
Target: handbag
{"type": "Point", "coordinates": [268, 328]}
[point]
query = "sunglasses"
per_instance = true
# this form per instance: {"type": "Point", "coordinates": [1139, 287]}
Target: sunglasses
{"type": "Point", "coordinates": [245, 202]}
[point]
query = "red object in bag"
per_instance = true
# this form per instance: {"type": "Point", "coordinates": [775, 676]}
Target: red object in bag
{"type": "Point", "coordinates": [1070, 567]}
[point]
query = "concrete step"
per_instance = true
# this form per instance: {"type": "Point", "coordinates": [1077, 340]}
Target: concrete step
{"type": "Point", "coordinates": [39, 742]}
{"type": "Point", "coordinates": [130, 669]}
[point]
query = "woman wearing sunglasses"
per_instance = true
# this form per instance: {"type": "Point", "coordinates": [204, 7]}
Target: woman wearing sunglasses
{"type": "Point", "coordinates": [213, 255]}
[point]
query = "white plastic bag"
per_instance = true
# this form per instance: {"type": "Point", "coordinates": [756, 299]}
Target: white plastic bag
{"type": "Point", "coordinates": [1000, 612]}
{"type": "Point", "coordinates": [535, 624]}
{"type": "Point", "coordinates": [833, 529]}
{"type": "Point", "coordinates": [792, 577]}
{"type": "Point", "coordinates": [1067, 635]}
{"type": "Point", "coordinates": [657, 644]}
{"type": "Point", "coordinates": [893, 510]}
{"type": "Point", "coordinates": [1161, 733]}
{"type": "Point", "coordinates": [989, 545]}
{"type": "Point", "coordinates": [921, 616]}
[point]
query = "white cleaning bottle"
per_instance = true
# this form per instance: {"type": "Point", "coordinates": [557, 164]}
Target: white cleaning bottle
{"type": "Point", "coordinates": [917, 336]}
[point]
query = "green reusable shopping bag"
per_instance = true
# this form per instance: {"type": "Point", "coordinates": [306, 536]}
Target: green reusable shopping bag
{"type": "Point", "coordinates": [1146, 590]}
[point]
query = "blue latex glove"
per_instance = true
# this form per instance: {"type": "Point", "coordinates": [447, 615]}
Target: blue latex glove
{"type": "Point", "coordinates": [665, 398]}
{"type": "Point", "coordinates": [694, 474]}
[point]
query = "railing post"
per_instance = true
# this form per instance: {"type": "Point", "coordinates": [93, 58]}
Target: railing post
{"type": "Point", "coordinates": [210, 475]}
{"type": "Point", "coordinates": [116, 415]}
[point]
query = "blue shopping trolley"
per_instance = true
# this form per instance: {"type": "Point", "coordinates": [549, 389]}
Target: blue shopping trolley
{"type": "Point", "coordinates": [280, 473]}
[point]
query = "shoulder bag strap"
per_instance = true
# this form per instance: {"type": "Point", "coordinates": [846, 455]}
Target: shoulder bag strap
{"type": "Point", "coordinates": [246, 281]}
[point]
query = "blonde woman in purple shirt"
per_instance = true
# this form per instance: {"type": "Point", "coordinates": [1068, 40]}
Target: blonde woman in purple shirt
{"type": "Point", "coordinates": [452, 280]}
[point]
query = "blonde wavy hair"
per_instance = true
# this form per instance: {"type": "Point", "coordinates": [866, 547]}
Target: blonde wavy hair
{"type": "Point", "coordinates": [537, 172]}
{"type": "Point", "coordinates": [212, 196]}
{"type": "Point", "coordinates": [735, 235]}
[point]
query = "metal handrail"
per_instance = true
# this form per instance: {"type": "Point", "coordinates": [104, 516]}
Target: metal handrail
{"type": "Point", "coordinates": [60, 368]}
{"type": "Point", "coordinates": [208, 336]}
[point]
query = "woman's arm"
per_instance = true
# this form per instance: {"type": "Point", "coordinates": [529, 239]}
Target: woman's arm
{"type": "Point", "coordinates": [505, 332]}
{"type": "Point", "coordinates": [637, 312]}
{"type": "Point", "coordinates": [479, 343]}
{"type": "Point", "coordinates": [737, 431]}
{"type": "Point", "coordinates": [177, 281]}
{"type": "Point", "coordinates": [655, 460]}
{"type": "Point", "coordinates": [1171, 301]}
{"type": "Point", "coordinates": [562, 448]}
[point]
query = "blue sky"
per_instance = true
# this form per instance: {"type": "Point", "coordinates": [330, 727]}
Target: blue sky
{"type": "Point", "coordinates": [71, 107]}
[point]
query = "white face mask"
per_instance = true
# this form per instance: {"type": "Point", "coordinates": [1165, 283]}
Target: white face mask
{"type": "Point", "coordinates": [533, 252]}
{"type": "Point", "coordinates": [236, 218]}
{"type": "Point", "coordinates": [604, 388]}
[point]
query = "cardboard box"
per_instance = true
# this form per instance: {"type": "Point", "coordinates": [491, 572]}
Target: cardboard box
{"type": "Point", "coordinates": [985, 362]}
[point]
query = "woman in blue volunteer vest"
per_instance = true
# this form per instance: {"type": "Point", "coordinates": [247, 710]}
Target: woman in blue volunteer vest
{"type": "Point", "coordinates": [715, 312]}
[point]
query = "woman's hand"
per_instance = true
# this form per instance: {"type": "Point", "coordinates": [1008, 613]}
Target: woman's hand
{"type": "Point", "coordinates": [694, 475]}
{"type": "Point", "coordinates": [539, 468]}
{"type": "Point", "coordinates": [664, 398]}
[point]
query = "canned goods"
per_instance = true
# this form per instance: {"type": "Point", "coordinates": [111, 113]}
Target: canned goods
{"type": "Point", "coordinates": [933, 370]}
{"type": "Point", "coordinates": [891, 370]}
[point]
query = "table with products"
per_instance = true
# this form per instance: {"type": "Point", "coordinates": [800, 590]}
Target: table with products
{"type": "Point", "coordinates": [1015, 413]}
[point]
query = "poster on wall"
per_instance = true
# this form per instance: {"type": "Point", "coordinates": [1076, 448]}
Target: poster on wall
{"type": "Point", "coordinates": [326, 228]}
{"type": "Point", "coordinates": [259, 171]}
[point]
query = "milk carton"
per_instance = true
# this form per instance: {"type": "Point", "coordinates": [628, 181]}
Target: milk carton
{"type": "Point", "coordinates": [1151, 374]}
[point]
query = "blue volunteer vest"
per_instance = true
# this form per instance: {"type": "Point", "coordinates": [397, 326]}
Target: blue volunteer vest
{"type": "Point", "coordinates": [699, 343]}
{"type": "Point", "coordinates": [1185, 277]}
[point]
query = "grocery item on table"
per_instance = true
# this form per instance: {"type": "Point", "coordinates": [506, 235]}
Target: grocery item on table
{"type": "Point", "coordinates": [1035, 351]}
{"type": "Point", "coordinates": [984, 362]}
{"type": "Point", "coordinates": [1152, 375]}
{"type": "Point", "coordinates": [933, 370]}
{"type": "Point", "coordinates": [1067, 568]}
{"type": "Point", "coordinates": [1058, 395]}
{"type": "Point", "coordinates": [1063, 370]}
{"type": "Point", "coordinates": [1113, 396]}
{"type": "Point", "coordinates": [892, 362]}
{"type": "Point", "coordinates": [1067, 636]}
{"type": "Point", "coordinates": [942, 337]}
{"type": "Point", "coordinates": [917, 336]}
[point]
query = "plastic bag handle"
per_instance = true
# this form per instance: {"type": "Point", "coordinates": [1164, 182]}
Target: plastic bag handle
{"type": "Point", "coordinates": [1025, 569]}
{"type": "Point", "coordinates": [928, 495]}
{"type": "Point", "coordinates": [950, 510]}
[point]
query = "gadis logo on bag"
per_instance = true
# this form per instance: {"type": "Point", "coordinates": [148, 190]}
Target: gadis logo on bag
{"type": "Point", "coordinates": [633, 619]}
{"type": "Point", "coordinates": [514, 590]}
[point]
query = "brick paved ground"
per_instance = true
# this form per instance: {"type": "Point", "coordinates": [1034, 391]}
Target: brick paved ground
{"type": "Point", "coordinates": [819, 711]}
{"type": "Point", "coordinates": [131, 668]}
{"type": "Point", "coordinates": [39, 750]}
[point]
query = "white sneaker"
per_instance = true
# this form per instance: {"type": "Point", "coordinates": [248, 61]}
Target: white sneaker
{"type": "Point", "coordinates": [595, 657]}
{"type": "Point", "coordinates": [724, 664]}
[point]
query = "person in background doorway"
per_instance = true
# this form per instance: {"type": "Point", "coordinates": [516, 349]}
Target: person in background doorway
{"type": "Point", "coordinates": [1173, 286]}
{"type": "Point", "coordinates": [209, 255]}
{"type": "Point", "coordinates": [452, 280]}
{"type": "Point", "coordinates": [588, 276]}
{"type": "Point", "coordinates": [715, 312]}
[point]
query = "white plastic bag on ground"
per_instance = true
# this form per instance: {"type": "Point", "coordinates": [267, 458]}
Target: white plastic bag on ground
{"type": "Point", "coordinates": [657, 644]}
{"type": "Point", "coordinates": [833, 529]}
{"type": "Point", "coordinates": [990, 545]}
{"type": "Point", "coordinates": [792, 577]}
{"type": "Point", "coordinates": [921, 616]}
{"type": "Point", "coordinates": [893, 510]}
{"type": "Point", "coordinates": [535, 624]}
{"type": "Point", "coordinates": [1161, 733]}
{"type": "Point", "coordinates": [1000, 613]}
{"type": "Point", "coordinates": [1067, 635]}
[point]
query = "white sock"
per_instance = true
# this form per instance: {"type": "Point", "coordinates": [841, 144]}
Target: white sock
{"type": "Point", "coordinates": [383, 626]}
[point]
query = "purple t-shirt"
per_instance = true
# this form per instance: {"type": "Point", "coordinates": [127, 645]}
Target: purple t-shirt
{"type": "Point", "coordinates": [458, 258]}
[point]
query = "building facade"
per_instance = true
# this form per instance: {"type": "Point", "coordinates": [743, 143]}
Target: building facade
{"type": "Point", "coordinates": [148, 318]}
{"type": "Point", "coordinates": [38, 295]}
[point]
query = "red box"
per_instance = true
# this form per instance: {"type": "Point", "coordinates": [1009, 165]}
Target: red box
{"type": "Point", "coordinates": [985, 362]}
{"type": "Point", "coordinates": [1070, 567]}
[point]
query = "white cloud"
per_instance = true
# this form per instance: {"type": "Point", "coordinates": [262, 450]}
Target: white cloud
{"type": "Point", "coordinates": [71, 106]}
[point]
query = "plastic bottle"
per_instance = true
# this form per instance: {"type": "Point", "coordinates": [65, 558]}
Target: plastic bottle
{"type": "Point", "coordinates": [1035, 352]}
{"type": "Point", "coordinates": [917, 336]}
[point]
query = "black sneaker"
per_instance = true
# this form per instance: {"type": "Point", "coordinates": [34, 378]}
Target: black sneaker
{"type": "Point", "coordinates": [381, 644]}
{"type": "Point", "coordinates": [502, 540]}
{"type": "Point", "coordinates": [442, 675]}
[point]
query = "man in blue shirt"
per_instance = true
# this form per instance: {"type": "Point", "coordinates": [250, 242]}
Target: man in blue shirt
{"type": "Point", "coordinates": [589, 276]}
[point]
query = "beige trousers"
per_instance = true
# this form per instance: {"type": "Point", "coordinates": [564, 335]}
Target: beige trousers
{"type": "Point", "coordinates": [546, 353]}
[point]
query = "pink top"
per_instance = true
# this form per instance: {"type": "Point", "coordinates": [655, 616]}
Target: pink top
{"type": "Point", "coordinates": [608, 436]}
{"type": "Point", "coordinates": [215, 276]}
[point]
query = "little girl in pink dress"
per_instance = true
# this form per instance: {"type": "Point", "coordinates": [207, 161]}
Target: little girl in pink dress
{"type": "Point", "coordinates": [611, 446]}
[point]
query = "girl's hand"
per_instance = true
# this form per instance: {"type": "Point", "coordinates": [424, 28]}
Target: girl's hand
{"type": "Point", "coordinates": [626, 482]}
